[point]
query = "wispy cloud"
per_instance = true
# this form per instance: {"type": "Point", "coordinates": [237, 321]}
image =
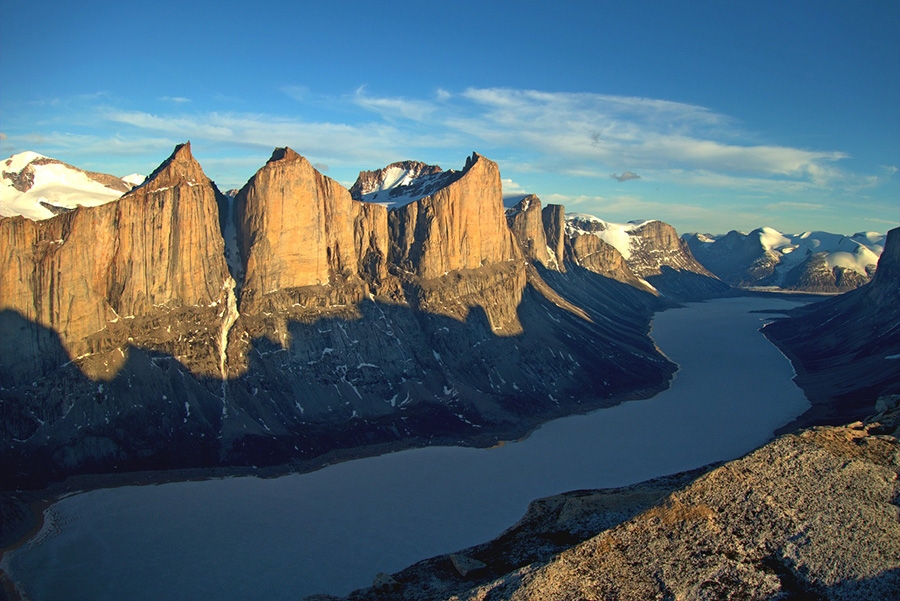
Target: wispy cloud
{"type": "Point", "coordinates": [298, 93]}
{"type": "Point", "coordinates": [530, 132]}
{"type": "Point", "coordinates": [392, 109]}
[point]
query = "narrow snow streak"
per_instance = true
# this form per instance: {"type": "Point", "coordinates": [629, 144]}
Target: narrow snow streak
{"type": "Point", "coordinates": [231, 315]}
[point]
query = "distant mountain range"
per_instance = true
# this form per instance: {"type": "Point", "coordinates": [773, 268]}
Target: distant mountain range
{"type": "Point", "coordinates": [811, 261]}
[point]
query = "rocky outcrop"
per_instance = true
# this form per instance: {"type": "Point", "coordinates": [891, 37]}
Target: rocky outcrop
{"type": "Point", "coordinates": [595, 255]}
{"type": "Point", "coordinates": [846, 350]}
{"type": "Point", "coordinates": [527, 225]}
{"type": "Point", "coordinates": [554, 218]}
{"type": "Point", "coordinates": [653, 255]}
{"type": "Point", "coordinates": [809, 515]}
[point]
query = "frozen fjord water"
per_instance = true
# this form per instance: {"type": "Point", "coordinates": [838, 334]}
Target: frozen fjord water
{"type": "Point", "coordinates": [334, 529]}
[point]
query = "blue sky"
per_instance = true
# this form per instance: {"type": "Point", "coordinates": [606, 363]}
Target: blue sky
{"type": "Point", "coordinates": [708, 115]}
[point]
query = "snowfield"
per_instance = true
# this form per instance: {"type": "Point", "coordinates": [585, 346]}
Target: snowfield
{"type": "Point", "coordinates": [53, 184]}
{"type": "Point", "coordinates": [614, 234]}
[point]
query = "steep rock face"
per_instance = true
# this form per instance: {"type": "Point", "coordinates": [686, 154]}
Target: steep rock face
{"type": "Point", "coordinates": [333, 349]}
{"type": "Point", "coordinates": [298, 228]}
{"type": "Point", "coordinates": [652, 252]}
{"type": "Point", "coordinates": [81, 274]}
{"type": "Point", "coordinates": [111, 328]}
{"type": "Point", "coordinates": [554, 218]}
{"type": "Point", "coordinates": [595, 255]}
{"type": "Point", "coordinates": [169, 248]}
{"type": "Point", "coordinates": [656, 245]}
{"type": "Point", "coordinates": [660, 257]}
{"type": "Point", "coordinates": [810, 515]}
{"type": "Point", "coordinates": [460, 228]}
{"type": "Point", "coordinates": [846, 350]}
{"type": "Point", "coordinates": [527, 225]}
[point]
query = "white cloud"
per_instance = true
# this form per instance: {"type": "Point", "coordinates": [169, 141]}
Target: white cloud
{"type": "Point", "coordinates": [511, 188]}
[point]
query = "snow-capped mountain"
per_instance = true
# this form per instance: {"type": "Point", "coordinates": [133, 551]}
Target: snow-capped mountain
{"type": "Point", "coordinates": [401, 183]}
{"type": "Point", "coordinates": [811, 261]}
{"type": "Point", "coordinates": [652, 251]}
{"type": "Point", "coordinates": [38, 187]}
{"type": "Point", "coordinates": [619, 235]}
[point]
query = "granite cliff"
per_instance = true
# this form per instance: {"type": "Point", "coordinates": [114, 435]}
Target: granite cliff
{"type": "Point", "coordinates": [98, 276]}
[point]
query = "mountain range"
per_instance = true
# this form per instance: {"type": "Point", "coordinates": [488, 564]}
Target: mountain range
{"type": "Point", "coordinates": [809, 262]}
{"type": "Point", "coordinates": [180, 327]}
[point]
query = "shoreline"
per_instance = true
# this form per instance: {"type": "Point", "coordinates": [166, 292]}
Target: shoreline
{"type": "Point", "coordinates": [36, 509]}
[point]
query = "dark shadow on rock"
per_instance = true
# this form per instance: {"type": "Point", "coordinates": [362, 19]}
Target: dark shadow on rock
{"type": "Point", "coordinates": [392, 378]}
{"type": "Point", "coordinates": [687, 286]}
{"type": "Point", "coordinates": [840, 349]}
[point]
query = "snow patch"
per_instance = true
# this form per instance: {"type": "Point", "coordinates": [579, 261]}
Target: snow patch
{"type": "Point", "coordinates": [618, 235]}
{"type": "Point", "coordinates": [55, 184]}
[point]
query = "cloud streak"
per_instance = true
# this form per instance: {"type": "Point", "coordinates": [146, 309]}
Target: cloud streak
{"type": "Point", "coordinates": [626, 176]}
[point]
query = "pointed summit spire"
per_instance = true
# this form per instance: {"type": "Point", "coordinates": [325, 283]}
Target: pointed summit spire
{"type": "Point", "coordinates": [284, 154]}
{"type": "Point", "coordinates": [180, 167]}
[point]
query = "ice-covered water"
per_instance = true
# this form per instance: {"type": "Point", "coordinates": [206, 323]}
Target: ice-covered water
{"type": "Point", "coordinates": [334, 529]}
